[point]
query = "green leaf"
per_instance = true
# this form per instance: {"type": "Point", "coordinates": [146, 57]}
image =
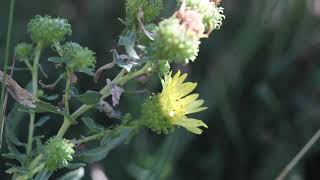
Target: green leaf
{"type": "Point", "coordinates": [40, 147]}
{"type": "Point", "coordinates": [19, 170]}
{"type": "Point", "coordinates": [11, 136]}
{"type": "Point", "coordinates": [87, 71]}
{"type": "Point", "coordinates": [43, 175]}
{"type": "Point", "coordinates": [89, 97]}
{"type": "Point", "coordinates": [91, 125]}
{"type": "Point", "coordinates": [73, 175]}
{"type": "Point", "coordinates": [19, 157]}
{"type": "Point", "coordinates": [58, 60]}
{"type": "Point", "coordinates": [42, 106]}
{"type": "Point", "coordinates": [128, 39]}
{"type": "Point", "coordinates": [111, 140]}
{"type": "Point", "coordinates": [42, 121]}
{"type": "Point", "coordinates": [75, 165]}
{"type": "Point", "coordinates": [51, 97]}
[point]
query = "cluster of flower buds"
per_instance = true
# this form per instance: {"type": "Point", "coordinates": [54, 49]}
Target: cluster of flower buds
{"type": "Point", "coordinates": [23, 51]}
{"type": "Point", "coordinates": [78, 58]}
{"type": "Point", "coordinates": [59, 152]}
{"type": "Point", "coordinates": [178, 37]}
{"type": "Point", "coordinates": [48, 30]}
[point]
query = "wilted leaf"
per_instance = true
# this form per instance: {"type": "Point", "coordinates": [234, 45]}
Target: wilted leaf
{"type": "Point", "coordinates": [21, 95]}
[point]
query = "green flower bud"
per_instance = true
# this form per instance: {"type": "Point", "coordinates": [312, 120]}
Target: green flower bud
{"type": "Point", "coordinates": [23, 51]}
{"type": "Point", "coordinates": [59, 152]}
{"type": "Point", "coordinates": [150, 8]}
{"type": "Point", "coordinates": [172, 106]}
{"type": "Point", "coordinates": [48, 30]}
{"type": "Point", "coordinates": [79, 57]}
{"type": "Point", "coordinates": [212, 15]}
{"type": "Point", "coordinates": [175, 42]}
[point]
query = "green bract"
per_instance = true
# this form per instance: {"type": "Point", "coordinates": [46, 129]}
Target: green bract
{"type": "Point", "coordinates": [212, 15]}
{"type": "Point", "coordinates": [153, 117]}
{"type": "Point", "coordinates": [174, 42]}
{"type": "Point", "coordinates": [23, 51]}
{"type": "Point", "coordinates": [79, 58]}
{"type": "Point", "coordinates": [150, 8]}
{"type": "Point", "coordinates": [48, 30]}
{"type": "Point", "coordinates": [59, 152]}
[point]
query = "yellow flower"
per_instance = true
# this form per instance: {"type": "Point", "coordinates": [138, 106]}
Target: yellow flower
{"type": "Point", "coordinates": [172, 106]}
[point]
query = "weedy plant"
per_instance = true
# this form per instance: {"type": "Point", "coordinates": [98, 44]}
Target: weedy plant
{"type": "Point", "coordinates": [150, 48]}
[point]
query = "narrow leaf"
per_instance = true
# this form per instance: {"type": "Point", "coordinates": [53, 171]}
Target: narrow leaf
{"type": "Point", "coordinates": [89, 97]}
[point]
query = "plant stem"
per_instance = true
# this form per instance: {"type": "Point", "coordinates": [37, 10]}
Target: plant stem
{"type": "Point", "coordinates": [299, 156]}
{"type": "Point", "coordinates": [5, 67]}
{"type": "Point", "coordinates": [105, 92]}
{"type": "Point", "coordinates": [90, 138]}
{"type": "Point", "coordinates": [66, 121]}
{"type": "Point", "coordinates": [35, 80]}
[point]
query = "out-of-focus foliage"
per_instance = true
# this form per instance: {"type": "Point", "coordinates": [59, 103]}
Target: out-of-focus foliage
{"type": "Point", "coordinates": [259, 75]}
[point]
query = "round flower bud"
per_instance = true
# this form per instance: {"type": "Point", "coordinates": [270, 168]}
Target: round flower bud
{"type": "Point", "coordinates": [175, 42]}
{"type": "Point", "coordinates": [79, 58]}
{"type": "Point", "coordinates": [171, 107]}
{"type": "Point", "coordinates": [150, 9]}
{"type": "Point", "coordinates": [48, 30]}
{"type": "Point", "coordinates": [59, 152]}
{"type": "Point", "coordinates": [212, 15]}
{"type": "Point", "coordinates": [23, 51]}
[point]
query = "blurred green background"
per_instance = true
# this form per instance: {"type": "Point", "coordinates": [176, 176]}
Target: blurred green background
{"type": "Point", "coordinates": [259, 76]}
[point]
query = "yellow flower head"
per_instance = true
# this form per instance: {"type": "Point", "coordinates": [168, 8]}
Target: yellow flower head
{"type": "Point", "coordinates": [172, 106]}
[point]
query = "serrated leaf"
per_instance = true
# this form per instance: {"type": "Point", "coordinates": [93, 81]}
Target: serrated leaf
{"type": "Point", "coordinates": [42, 121]}
{"type": "Point", "coordinates": [109, 142]}
{"type": "Point", "coordinates": [91, 125]}
{"type": "Point", "coordinates": [89, 97]}
{"type": "Point", "coordinates": [73, 175]}
{"type": "Point", "coordinates": [87, 71]}
{"type": "Point", "coordinates": [58, 60]}
{"type": "Point", "coordinates": [43, 175]}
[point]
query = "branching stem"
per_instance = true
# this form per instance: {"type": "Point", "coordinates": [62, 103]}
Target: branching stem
{"type": "Point", "coordinates": [35, 80]}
